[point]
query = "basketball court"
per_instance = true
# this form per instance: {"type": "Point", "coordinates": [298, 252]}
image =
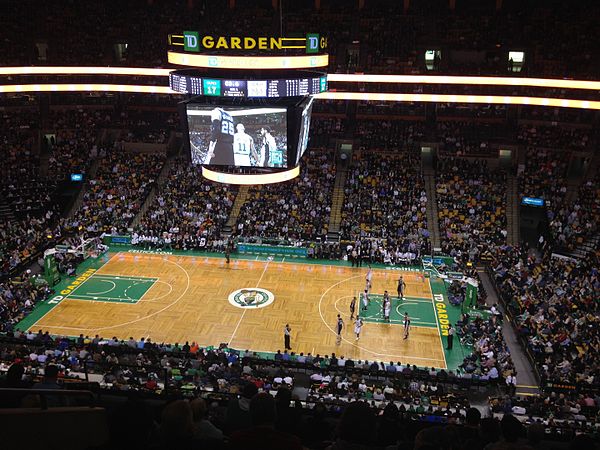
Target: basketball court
{"type": "Point", "coordinates": [246, 304]}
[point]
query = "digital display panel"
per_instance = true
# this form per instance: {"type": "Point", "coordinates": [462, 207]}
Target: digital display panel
{"type": "Point", "coordinates": [210, 87]}
{"type": "Point", "coordinates": [237, 136]}
{"type": "Point", "coordinates": [272, 88]}
{"type": "Point", "coordinates": [76, 177]}
{"type": "Point", "coordinates": [304, 129]}
{"type": "Point", "coordinates": [532, 201]}
{"type": "Point", "coordinates": [234, 88]}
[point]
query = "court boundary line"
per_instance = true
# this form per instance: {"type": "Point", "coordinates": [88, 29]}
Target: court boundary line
{"type": "Point", "coordinates": [126, 278]}
{"type": "Point", "coordinates": [111, 300]}
{"type": "Point", "coordinates": [386, 268]}
{"type": "Point", "coordinates": [110, 278]}
{"type": "Point", "coordinates": [363, 348]}
{"type": "Point", "coordinates": [246, 309]}
{"type": "Point", "coordinates": [167, 258]}
{"type": "Point", "coordinates": [393, 321]}
{"type": "Point", "coordinates": [140, 318]}
{"type": "Point", "coordinates": [150, 300]}
{"type": "Point", "coordinates": [76, 287]}
{"type": "Point", "coordinates": [114, 285]}
{"type": "Point", "coordinates": [406, 298]}
{"type": "Point", "coordinates": [390, 355]}
{"type": "Point", "coordinates": [156, 298]}
{"type": "Point", "coordinates": [65, 298]}
{"type": "Point", "coordinates": [129, 301]}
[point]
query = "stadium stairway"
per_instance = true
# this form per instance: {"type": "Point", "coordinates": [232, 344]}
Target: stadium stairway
{"type": "Point", "coordinates": [572, 190]}
{"type": "Point", "coordinates": [432, 210]}
{"type": "Point", "coordinates": [512, 209]}
{"type": "Point", "coordinates": [589, 245]}
{"type": "Point", "coordinates": [44, 164]}
{"type": "Point", "coordinates": [593, 168]}
{"type": "Point", "coordinates": [335, 218]}
{"type": "Point", "coordinates": [162, 176]}
{"type": "Point", "coordinates": [527, 381]}
{"type": "Point", "coordinates": [240, 199]}
{"type": "Point", "coordinates": [592, 243]}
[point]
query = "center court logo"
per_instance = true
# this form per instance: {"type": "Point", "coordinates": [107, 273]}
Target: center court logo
{"type": "Point", "coordinates": [251, 298]}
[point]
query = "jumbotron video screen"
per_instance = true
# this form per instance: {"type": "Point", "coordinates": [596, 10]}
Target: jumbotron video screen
{"type": "Point", "coordinates": [238, 136]}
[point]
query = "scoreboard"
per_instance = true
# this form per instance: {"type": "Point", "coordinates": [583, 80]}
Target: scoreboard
{"type": "Point", "coordinates": [251, 88]}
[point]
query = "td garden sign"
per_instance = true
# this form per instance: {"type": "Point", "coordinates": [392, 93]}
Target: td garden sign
{"type": "Point", "coordinates": [192, 41]}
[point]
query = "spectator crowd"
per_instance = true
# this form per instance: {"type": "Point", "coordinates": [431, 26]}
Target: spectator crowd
{"type": "Point", "coordinates": [188, 211]}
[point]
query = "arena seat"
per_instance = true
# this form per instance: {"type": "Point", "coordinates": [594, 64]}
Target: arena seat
{"type": "Point", "coordinates": [65, 428]}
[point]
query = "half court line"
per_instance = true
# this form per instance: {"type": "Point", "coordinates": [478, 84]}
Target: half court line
{"type": "Point", "coordinates": [246, 309]}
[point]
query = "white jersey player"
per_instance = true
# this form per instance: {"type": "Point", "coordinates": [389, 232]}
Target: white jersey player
{"type": "Point", "coordinates": [365, 299]}
{"type": "Point", "coordinates": [368, 280]}
{"type": "Point", "coordinates": [358, 324]}
{"type": "Point", "coordinates": [243, 146]}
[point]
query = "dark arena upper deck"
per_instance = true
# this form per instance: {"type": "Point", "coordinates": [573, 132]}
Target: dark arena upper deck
{"type": "Point", "coordinates": [286, 224]}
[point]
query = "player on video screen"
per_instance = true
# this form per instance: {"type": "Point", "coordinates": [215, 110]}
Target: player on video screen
{"type": "Point", "coordinates": [268, 148]}
{"type": "Point", "coordinates": [243, 147]}
{"type": "Point", "coordinates": [220, 149]}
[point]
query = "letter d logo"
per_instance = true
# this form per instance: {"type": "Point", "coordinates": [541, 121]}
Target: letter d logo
{"type": "Point", "coordinates": [190, 41]}
{"type": "Point", "coordinates": [312, 43]}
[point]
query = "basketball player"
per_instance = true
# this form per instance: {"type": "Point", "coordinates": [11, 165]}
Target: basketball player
{"type": "Point", "coordinates": [401, 286]}
{"type": "Point", "coordinates": [368, 279]}
{"type": "Point", "coordinates": [365, 300]}
{"type": "Point", "coordinates": [220, 149]}
{"type": "Point", "coordinates": [386, 296]}
{"type": "Point", "coordinates": [243, 147]}
{"type": "Point", "coordinates": [268, 148]}
{"type": "Point", "coordinates": [358, 327]}
{"type": "Point", "coordinates": [352, 307]}
{"type": "Point", "coordinates": [339, 328]}
{"type": "Point", "coordinates": [387, 307]}
{"type": "Point", "coordinates": [406, 325]}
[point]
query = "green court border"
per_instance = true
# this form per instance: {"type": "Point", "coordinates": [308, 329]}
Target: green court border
{"type": "Point", "coordinates": [453, 358]}
{"type": "Point", "coordinates": [44, 307]}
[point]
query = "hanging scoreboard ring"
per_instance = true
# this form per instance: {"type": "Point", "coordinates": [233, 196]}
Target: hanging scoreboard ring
{"type": "Point", "coordinates": [250, 84]}
{"type": "Point", "coordinates": [249, 102]}
{"type": "Point", "coordinates": [248, 62]}
{"type": "Point", "coordinates": [251, 179]}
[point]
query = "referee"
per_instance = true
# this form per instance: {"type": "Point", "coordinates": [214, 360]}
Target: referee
{"type": "Point", "coordinates": [287, 333]}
